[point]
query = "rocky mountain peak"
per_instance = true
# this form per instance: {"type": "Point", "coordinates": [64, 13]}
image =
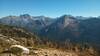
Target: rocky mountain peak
{"type": "Point", "coordinates": [67, 17]}
{"type": "Point", "coordinates": [25, 16]}
{"type": "Point", "coordinates": [66, 20]}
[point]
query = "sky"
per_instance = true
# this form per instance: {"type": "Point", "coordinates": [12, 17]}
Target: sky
{"type": "Point", "coordinates": [50, 8]}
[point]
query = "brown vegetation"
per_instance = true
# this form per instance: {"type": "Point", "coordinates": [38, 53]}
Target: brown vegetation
{"type": "Point", "coordinates": [12, 35]}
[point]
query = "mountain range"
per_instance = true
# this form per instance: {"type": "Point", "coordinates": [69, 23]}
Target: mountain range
{"type": "Point", "coordinates": [66, 27]}
{"type": "Point", "coordinates": [26, 21]}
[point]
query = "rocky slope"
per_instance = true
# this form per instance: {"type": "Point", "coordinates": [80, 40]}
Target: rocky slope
{"type": "Point", "coordinates": [10, 35]}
